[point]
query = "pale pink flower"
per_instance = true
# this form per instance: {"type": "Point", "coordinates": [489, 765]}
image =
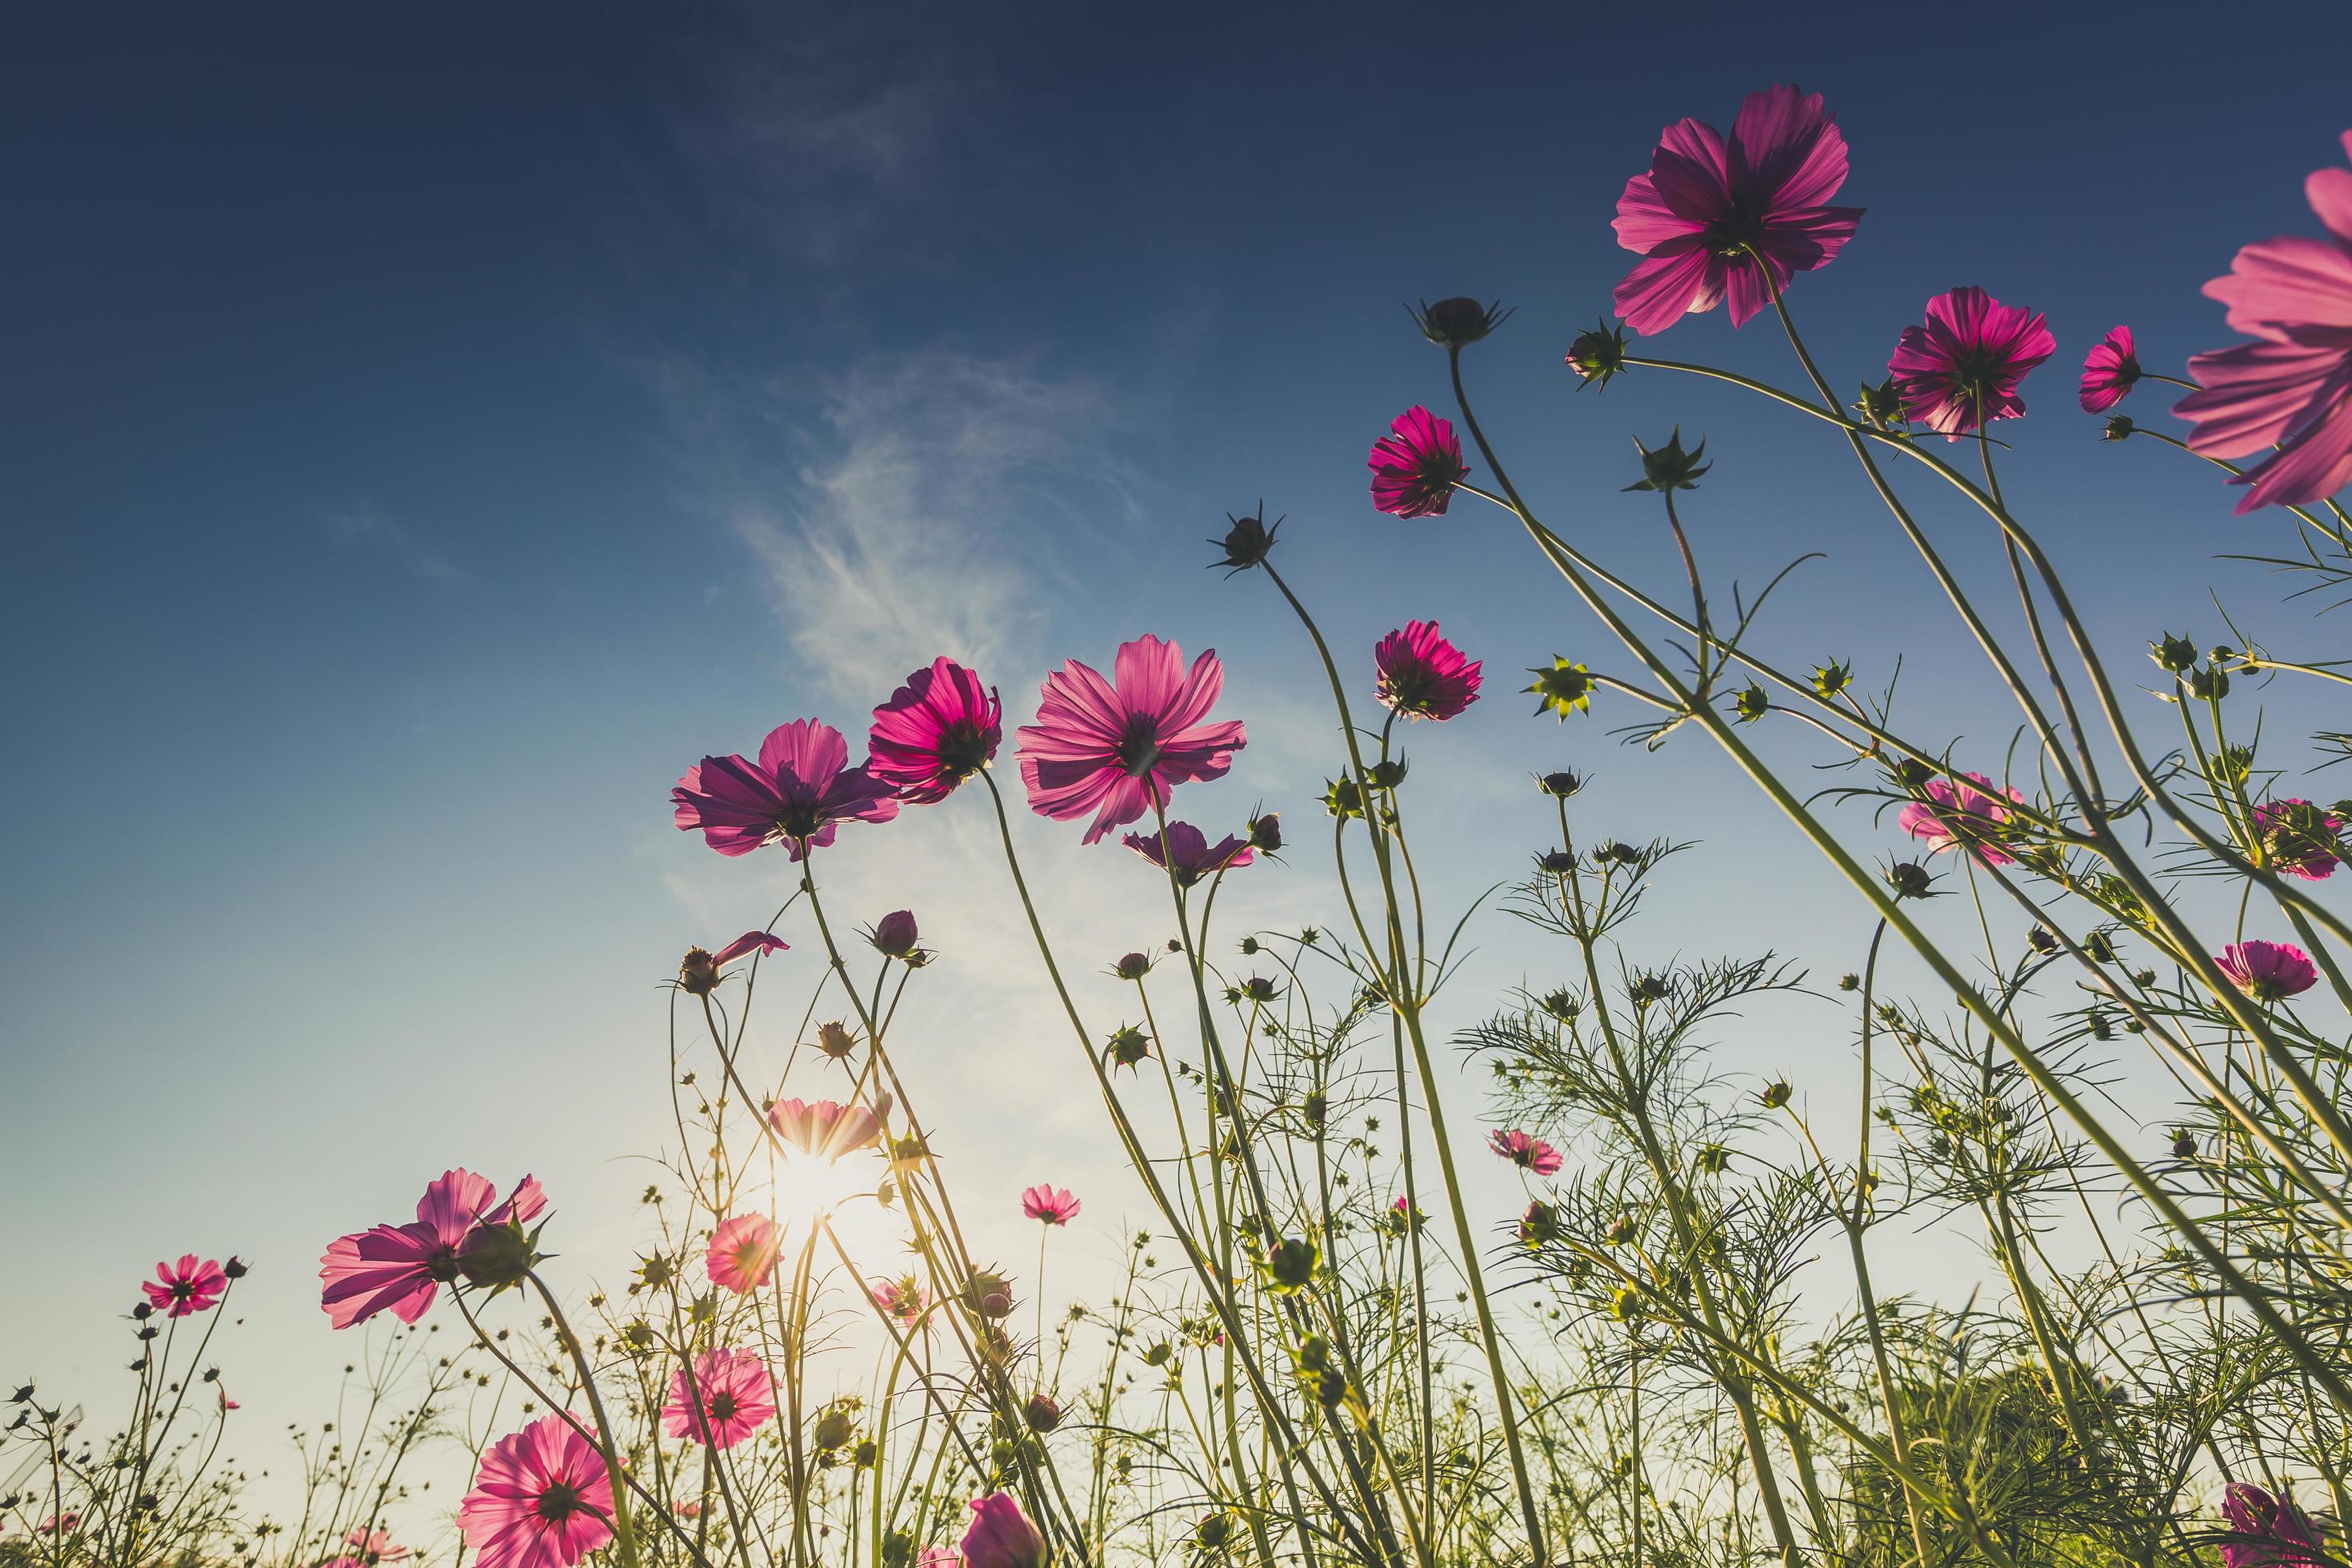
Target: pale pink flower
{"type": "Point", "coordinates": [827, 1127]}
{"type": "Point", "coordinates": [399, 1268]}
{"type": "Point", "coordinates": [1962, 813]}
{"type": "Point", "coordinates": [1002, 1536]}
{"type": "Point", "coordinates": [2267, 971]}
{"type": "Point", "coordinates": [1714, 214]}
{"type": "Point", "coordinates": [2292, 387]}
{"type": "Point", "coordinates": [1119, 750]}
{"type": "Point", "coordinates": [2109, 372]}
{"type": "Point", "coordinates": [903, 1297]}
{"type": "Point", "coordinates": [744, 1253]}
{"type": "Point", "coordinates": [64, 1523]}
{"type": "Point", "coordinates": [376, 1545]}
{"type": "Point", "coordinates": [1054, 1205]}
{"type": "Point", "coordinates": [1525, 1151]}
{"type": "Point", "coordinates": [540, 1499]}
{"type": "Point", "coordinates": [183, 1289]}
{"type": "Point", "coordinates": [730, 1397]}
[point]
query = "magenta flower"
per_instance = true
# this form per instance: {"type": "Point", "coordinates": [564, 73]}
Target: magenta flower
{"type": "Point", "coordinates": [1002, 1536]}
{"type": "Point", "coordinates": [934, 732]}
{"type": "Point", "coordinates": [1714, 214]}
{"type": "Point", "coordinates": [894, 936]}
{"type": "Point", "coordinates": [828, 1128]}
{"type": "Point", "coordinates": [399, 1268]}
{"type": "Point", "coordinates": [1416, 465]}
{"type": "Point", "coordinates": [730, 1397]}
{"type": "Point", "coordinates": [903, 1297]}
{"type": "Point", "coordinates": [1962, 369]}
{"type": "Point", "coordinates": [540, 1499]}
{"type": "Point", "coordinates": [2267, 971]}
{"type": "Point", "coordinates": [1188, 849]}
{"type": "Point", "coordinates": [2291, 388]}
{"type": "Point", "coordinates": [1054, 1205]}
{"type": "Point", "coordinates": [1121, 750]}
{"type": "Point", "coordinates": [750, 941]}
{"type": "Point", "coordinates": [64, 1523]}
{"type": "Point", "coordinates": [1525, 1151]}
{"type": "Point", "coordinates": [795, 795]}
{"type": "Point", "coordinates": [376, 1545]}
{"type": "Point", "coordinates": [1962, 813]}
{"type": "Point", "coordinates": [2109, 370]}
{"type": "Point", "coordinates": [2270, 1532]}
{"type": "Point", "coordinates": [184, 1288]}
{"type": "Point", "coordinates": [1423, 676]}
{"type": "Point", "coordinates": [2300, 838]}
{"type": "Point", "coordinates": [744, 1253]}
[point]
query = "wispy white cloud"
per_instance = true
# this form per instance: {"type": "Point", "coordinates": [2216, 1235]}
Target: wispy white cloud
{"type": "Point", "coordinates": [362, 525]}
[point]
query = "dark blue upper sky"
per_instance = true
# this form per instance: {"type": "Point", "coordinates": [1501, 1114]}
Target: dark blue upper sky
{"type": "Point", "coordinates": [428, 428]}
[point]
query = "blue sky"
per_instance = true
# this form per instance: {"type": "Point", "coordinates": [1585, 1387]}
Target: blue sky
{"type": "Point", "coordinates": [427, 431]}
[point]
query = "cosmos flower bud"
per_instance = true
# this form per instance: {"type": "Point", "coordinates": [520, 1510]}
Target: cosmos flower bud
{"type": "Point", "coordinates": [1775, 1095]}
{"type": "Point", "coordinates": [2177, 655]}
{"type": "Point", "coordinates": [1002, 1536]}
{"type": "Point", "coordinates": [235, 1269]}
{"type": "Point", "coordinates": [1246, 544]}
{"type": "Point", "coordinates": [1387, 774]}
{"type": "Point", "coordinates": [1562, 690]}
{"type": "Point", "coordinates": [2184, 1147]}
{"type": "Point", "coordinates": [1911, 774]}
{"type": "Point", "coordinates": [1214, 1532]}
{"type": "Point", "coordinates": [1559, 862]}
{"type": "Point", "coordinates": [498, 1255]}
{"type": "Point", "coordinates": [1849, 981]}
{"type": "Point", "coordinates": [1881, 405]}
{"type": "Point", "coordinates": [2209, 684]}
{"type": "Point", "coordinates": [1341, 797]}
{"type": "Point", "coordinates": [1289, 1266]}
{"type": "Point", "coordinates": [1909, 879]}
{"type": "Point", "coordinates": [893, 936]}
{"type": "Point", "coordinates": [988, 1294]}
{"type": "Point", "coordinates": [697, 973]}
{"type": "Point", "coordinates": [1751, 704]}
{"type": "Point", "coordinates": [834, 1429]}
{"type": "Point", "coordinates": [836, 1041]}
{"type": "Point", "coordinates": [2118, 428]}
{"type": "Point", "coordinates": [1041, 1413]}
{"type": "Point", "coordinates": [1265, 831]}
{"type": "Point", "coordinates": [1648, 989]}
{"type": "Point", "coordinates": [1829, 680]}
{"type": "Point", "coordinates": [1597, 356]}
{"type": "Point", "coordinates": [1669, 468]}
{"type": "Point", "coordinates": [1562, 1005]}
{"type": "Point", "coordinates": [2042, 939]}
{"type": "Point", "coordinates": [1258, 988]}
{"type": "Point", "coordinates": [1715, 1159]}
{"type": "Point", "coordinates": [1539, 1225]}
{"type": "Point", "coordinates": [1131, 966]}
{"type": "Point", "coordinates": [1457, 322]}
{"type": "Point", "coordinates": [2099, 949]}
{"type": "Point", "coordinates": [1560, 784]}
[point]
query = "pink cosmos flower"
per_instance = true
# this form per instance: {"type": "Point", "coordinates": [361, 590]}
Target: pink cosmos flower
{"type": "Point", "coordinates": [1527, 1151]}
{"type": "Point", "coordinates": [698, 972]}
{"type": "Point", "coordinates": [894, 936]}
{"type": "Point", "coordinates": [1188, 849]}
{"type": "Point", "coordinates": [2291, 388]}
{"type": "Point", "coordinates": [940, 1557]}
{"type": "Point", "coordinates": [2109, 370]}
{"type": "Point", "coordinates": [2267, 971]}
{"type": "Point", "coordinates": [689, 1509]}
{"type": "Point", "coordinates": [1711, 205]}
{"type": "Point", "coordinates": [903, 1297]}
{"type": "Point", "coordinates": [228, 1405]}
{"type": "Point", "coordinates": [1054, 1205]}
{"type": "Point", "coordinates": [1118, 750]}
{"type": "Point", "coordinates": [828, 1128]}
{"type": "Point", "coordinates": [64, 1523]}
{"type": "Point", "coordinates": [541, 1500]}
{"type": "Point", "coordinates": [376, 1545]}
{"type": "Point", "coordinates": [1961, 815]}
{"type": "Point", "coordinates": [1962, 369]}
{"type": "Point", "coordinates": [795, 795]}
{"type": "Point", "coordinates": [1002, 1536]}
{"type": "Point", "coordinates": [1416, 465]}
{"type": "Point", "coordinates": [2301, 840]}
{"type": "Point", "coordinates": [934, 732]}
{"type": "Point", "coordinates": [399, 1268]}
{"type": "Point", "coordinates": [184, 1288]}
{"type": "Point", "coordinates": [744, 1253]}
{"type": "Point", "coordinates": [2270, 1533]}
{"type": "Point", "coordinates": [1423, 676]}
{"type": "Point", "coordinates": [730, 1396]}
